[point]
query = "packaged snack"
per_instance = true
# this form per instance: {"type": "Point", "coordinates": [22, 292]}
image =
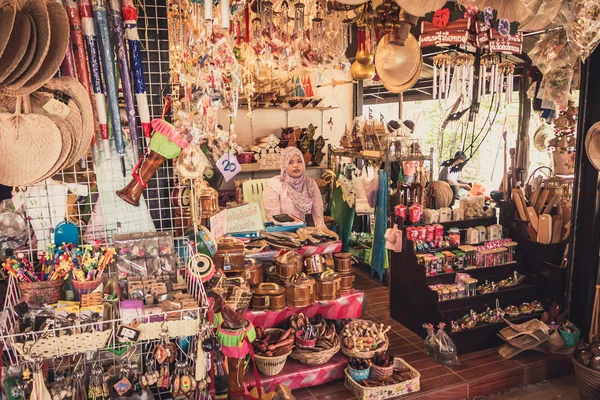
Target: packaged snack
{"type": "Point", "coordinates": [415, 213]}
{"type": "Point", "coordinates": [400, 211]}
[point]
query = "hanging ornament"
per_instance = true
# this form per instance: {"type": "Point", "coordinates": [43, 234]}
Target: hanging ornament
{"type": "Point", "coordinates": [506, 71]}
{"type": "Point", "coordinates": [299, 19]}
{"type": "Point", "coordinates": [463, 73]}
{"type": "Point", "coordinates": [441, 75]}
{"type": "Point", "coordinates": [488, 71]}
{"type": "Point", "coordinates": [225, 14]}
{"type": "Point", "coordinates": [317, 33]}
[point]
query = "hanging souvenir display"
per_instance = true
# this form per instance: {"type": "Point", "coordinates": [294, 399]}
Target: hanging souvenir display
{"type": "Point", "coordinates": [442, 65]}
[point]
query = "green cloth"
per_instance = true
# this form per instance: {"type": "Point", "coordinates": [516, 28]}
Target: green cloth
{"type": "Point", "coordinates": [164, 146]}
{"type": "Point", "coordinates": [343, 216]}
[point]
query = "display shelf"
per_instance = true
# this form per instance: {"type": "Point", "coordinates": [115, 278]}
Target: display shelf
{"type": "Point", "coordinates": [352, 154]}
{"type": "Point", "coordinates": [296, 375]}
{"type": "Point", "coordinates": [412, 303]}
{"type": "Point", "coordinates": [504, 296]}
{"type": "Point", "coordinates": [464, 224]}
{"type": "Point", "coordinates": [479, 273]}
{"type": "Point", "coordinates": [485, 336]}
{"type": "Point", "coordinates": [348, 305]}
{"type": "Point", "coordinates": [246, 169]}
{"type": "Point", "coordinates": [289, 109]}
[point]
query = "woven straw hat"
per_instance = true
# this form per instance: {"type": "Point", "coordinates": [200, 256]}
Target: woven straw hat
{"type": "Point", "coordinates": [80, 97]}
{"type": "Point", "coordinates": [419, 8]}
{"type": "Point", "coordinates": [27, 57]}
{"type": "Point", "coordinates": [17, 46]}
{"type": "Point", "coordinates": [398, 67]}
{"type": "Point", "coordinates": [59, 40]}
{"type": "Point", "coordinates": [30, 145]}
{"type": "Point", "coordinates": [7, 20]}
{"type": "Point", "coordinates": [38, 11]}
{"type": "Point", "coordinates": [592, 145]}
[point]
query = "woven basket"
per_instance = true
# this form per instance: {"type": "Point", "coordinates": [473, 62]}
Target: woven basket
{"type": "Point", "coordinates": [271, 366]}
{"type": "Point", "coordinates": [40, 293]}
{"type": "Point", "coordinates": [309, 357]}
{"type": "Point", "coordinates": [588, 381]}
{"type": "Point", "coordinates": [365, 354]}
{"type": "Point", "coordinates": [378, 372]}
{"type": "Point", "coordinates": [86, 287]}
{"type": "Point", "coordinates": [556, 341]}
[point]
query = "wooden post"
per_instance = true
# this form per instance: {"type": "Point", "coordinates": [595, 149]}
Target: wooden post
{"type": "Point", "coordinates": [585, 233]}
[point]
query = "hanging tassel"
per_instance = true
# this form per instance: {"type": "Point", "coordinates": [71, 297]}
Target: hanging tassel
{"type": "Point", "coordinates": [448, 81]}
{"type": "Point", "coordinates": [443, 81]}
{"type": "Point", "coordinates": [225, 18]}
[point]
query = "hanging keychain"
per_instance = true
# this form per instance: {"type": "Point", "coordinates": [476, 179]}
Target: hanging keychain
{"type": "Point", "coordinates": [150, 378]}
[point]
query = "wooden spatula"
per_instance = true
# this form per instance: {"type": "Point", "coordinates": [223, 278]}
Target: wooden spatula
{"type": "Point", "coordinates": [520, 205]}
{"type": "Point", "coordinates": [545, 229]}
{"type": "Point", "coordinates": [557, 226]}
{"type": "Point", "coordinates": [541, 200]}
{"type": "Point", "coordinates": [533, 218]}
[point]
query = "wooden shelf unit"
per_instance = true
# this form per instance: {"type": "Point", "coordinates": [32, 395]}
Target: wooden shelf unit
{"type": "Point", "coordinates": [412, 303]}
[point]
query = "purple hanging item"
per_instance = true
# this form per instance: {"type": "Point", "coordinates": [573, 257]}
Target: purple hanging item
{"type": "Point", "coordinates": [118, 29]}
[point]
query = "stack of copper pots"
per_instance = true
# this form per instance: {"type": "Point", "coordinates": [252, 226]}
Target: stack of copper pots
{"type": "Point", "coordinates": [343, 265]}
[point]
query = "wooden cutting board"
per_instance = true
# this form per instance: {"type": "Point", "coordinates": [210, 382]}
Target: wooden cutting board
{"type": "Point", "coordinates": [545, 229]}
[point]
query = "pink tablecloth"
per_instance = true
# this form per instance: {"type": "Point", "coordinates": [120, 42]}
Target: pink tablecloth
{"type": "Point", "coordinates": [297, 375]}
{"type": "Point", "coordinates": [347, 306]}
{"type": "Point", "coordinates": [305, 251]}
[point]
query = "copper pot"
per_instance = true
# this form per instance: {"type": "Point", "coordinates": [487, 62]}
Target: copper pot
{"type": "Point", "coordinates": [314, 264]}
{"type": "Point", "coordinates": [343, 265]}
{"type": "Point", "coordinates": [328, 285]}
{"type": "Point", "coordinates": [346, 282]}
{"type": "Point", "coordinates": [145, 168]}
{"type": "Point", "coordinates": [253, 273]}
{"type": "Point", "coordinates": [300, 291]}
{"type": "Point", "coordinates": [268, 296]}
{"type": "Point", "coordinates": [288, 265]}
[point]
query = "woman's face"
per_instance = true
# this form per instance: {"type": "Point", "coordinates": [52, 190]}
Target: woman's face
{"type": "Point", "coordinates": [295, 168]}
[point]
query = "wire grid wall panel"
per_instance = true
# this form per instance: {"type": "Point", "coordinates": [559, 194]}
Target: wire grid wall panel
{"type": "Point", "coordinates": [85, 194]}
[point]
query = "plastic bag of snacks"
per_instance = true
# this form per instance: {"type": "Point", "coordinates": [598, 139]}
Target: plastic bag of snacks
{"type": "Point", "coordinates": [444, 351]}
{"type": "Point", "coordinates": [429, 343]}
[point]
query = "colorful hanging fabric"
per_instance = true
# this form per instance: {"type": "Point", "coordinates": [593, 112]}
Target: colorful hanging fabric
{"type": "Point", "coordinates": [378, 258]}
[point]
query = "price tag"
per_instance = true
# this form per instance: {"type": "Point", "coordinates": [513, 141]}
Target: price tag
{"type": "Point", "coordinates": [58, 108]}
{"type": "Point", "coordinates": [229, 166]}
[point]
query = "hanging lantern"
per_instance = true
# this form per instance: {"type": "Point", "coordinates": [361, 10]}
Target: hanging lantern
{"type": "Point", "coordinates": [441, 75]}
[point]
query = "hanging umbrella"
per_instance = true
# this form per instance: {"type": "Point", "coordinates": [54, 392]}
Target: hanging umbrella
{"type": "Point", "coordinates": [110, 77]}
{"type": "Point", "coordinates": [89, 33]}
{"type": "Point", "coordinates": [119, 34]}
{"type": "Point", "coordinates": [135, 56]}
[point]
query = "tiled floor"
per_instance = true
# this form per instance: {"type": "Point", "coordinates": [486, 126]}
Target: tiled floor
{"type": "Point", "coordinates": [480, 374]}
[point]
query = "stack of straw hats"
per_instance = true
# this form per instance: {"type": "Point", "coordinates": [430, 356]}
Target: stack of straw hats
{"type": "Point", "coordinates": [398, 67]}
{"type": "Point", "coordinates": [46, 123]}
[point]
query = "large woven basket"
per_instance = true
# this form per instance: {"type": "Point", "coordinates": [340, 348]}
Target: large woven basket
{"type": "Point", "coordinates": [271, 366]}
{"type": "Point", "coordinates": [588, 381]}
{"type": "Point", "coordinates": [365, 354]}
{"type": "Point", "coordinates": [40, 293]}
{"type": "Point", "coordinates": [309, 357]}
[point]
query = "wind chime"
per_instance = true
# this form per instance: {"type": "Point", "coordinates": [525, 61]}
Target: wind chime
{"type": "Point", "coordinates": [317, 31]}
{"type": "Point", "coordinates": [463, 73]}
{"type": "Point", "coordinates": [488, 73]}
{"type": "Point", "coordinates": [442, 65]}
{"type": "Point", "coordinates": [506, 72]}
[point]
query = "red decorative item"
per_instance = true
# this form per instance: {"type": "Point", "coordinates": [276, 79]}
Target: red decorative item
{"type": "Point", "coordinates": [441, 18]}
{"type": "Point", "coordinates": [347, 306]}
